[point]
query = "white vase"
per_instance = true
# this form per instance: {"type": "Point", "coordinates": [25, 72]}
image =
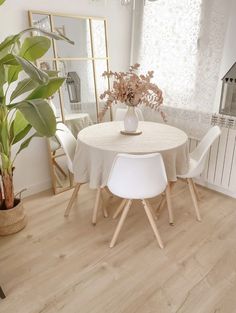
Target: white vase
{"type": "Point", "coordinates": [131, 120]}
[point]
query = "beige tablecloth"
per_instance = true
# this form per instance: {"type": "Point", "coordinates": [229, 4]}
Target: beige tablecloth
{"type": "Point", "coordinates": [98, 145]}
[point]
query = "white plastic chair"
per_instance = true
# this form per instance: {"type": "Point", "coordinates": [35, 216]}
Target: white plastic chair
{"type": "Point", "coordinates": [197, 163]}
{"type": "Point", "coordinates": [137, 177]}
{"type": "Point", "coordinates": [68, 143]}
{"type": "Point", "coordinates": [120, 114]}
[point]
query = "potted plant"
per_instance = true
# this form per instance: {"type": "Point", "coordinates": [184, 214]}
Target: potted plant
{"type": "Point", "coordinates": [133, 89]}
{"type": "Point", "coordinates": [24, 112]}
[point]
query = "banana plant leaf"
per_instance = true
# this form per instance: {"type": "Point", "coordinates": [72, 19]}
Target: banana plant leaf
{"type": "Point", "coordinates": [11, 40]}
{"type": "Point", "coordinates": [22, 87]}
{"type": "Point", "coordinates": [2, 82]}
{"type": "Point", "coordinates": [34, 47]}
{"type": "Point", "coordinates": [39, 114]}
{"type": "Point", "coordinates": [9, 59]}
{"type": "Point", "coordinates": [32, 71]}
{"type": "Point", "coordinates": [13, 73]}
{"type": "Point", "coordinates": [26, 143]}
{"type": "Point", "coordinates": [46, 91]}
{"type": "Point", "coordinates": [19, 128]}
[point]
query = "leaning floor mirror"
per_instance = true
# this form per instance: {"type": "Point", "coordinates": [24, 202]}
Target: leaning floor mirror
{"type": "Point", "coordinates": [77, 104]}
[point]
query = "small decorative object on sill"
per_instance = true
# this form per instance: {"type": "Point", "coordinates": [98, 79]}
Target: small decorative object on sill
{"type": "Point", "coordinates": [228, 93]}
{"type": "Point", "coordinates": [132, 89]}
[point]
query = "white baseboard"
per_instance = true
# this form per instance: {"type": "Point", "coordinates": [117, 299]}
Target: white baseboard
{"type": "Point", "coordinates": [36, 188]}
{"type": "Point", "coordinates": [220, 189]}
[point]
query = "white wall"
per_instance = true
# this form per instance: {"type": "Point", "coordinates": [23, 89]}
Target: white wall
{"type": "Point", "coordinates": [32, 170]}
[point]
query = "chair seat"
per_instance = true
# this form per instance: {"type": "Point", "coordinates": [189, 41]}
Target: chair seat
{"type": "Point", "coordinates": [192, 166]}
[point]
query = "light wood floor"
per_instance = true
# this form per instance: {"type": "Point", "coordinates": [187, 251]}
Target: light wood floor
{"type": "Point", "coordinates": [64, 265]}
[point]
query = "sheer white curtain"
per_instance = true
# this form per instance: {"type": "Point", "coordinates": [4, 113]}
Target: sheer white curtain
{"type": "Point", "coordinates": [182, 41]}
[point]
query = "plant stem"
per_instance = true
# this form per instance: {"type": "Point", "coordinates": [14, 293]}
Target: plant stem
{"type": "Point", "coordinates": [7, 179]}
{"type": "Point", "coordinates": [1, 196]}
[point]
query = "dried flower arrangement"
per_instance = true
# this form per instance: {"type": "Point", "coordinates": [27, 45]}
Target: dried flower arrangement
{"type": "Point", "coordinates": [132, 89]}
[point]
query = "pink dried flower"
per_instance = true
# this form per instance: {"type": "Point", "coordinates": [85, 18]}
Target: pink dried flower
{"type": "Point", "coordinates": [132, 89]}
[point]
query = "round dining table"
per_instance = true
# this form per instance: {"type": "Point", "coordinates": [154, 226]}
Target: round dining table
{"type": "Point", "coordinates": [97, 146]}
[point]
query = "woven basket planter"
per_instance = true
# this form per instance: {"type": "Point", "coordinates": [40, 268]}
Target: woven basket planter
{"type": "Point", "coordinates": [13, 220]}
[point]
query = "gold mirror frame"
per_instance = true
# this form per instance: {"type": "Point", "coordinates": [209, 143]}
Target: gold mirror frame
{"type": "Point", "coordinates": [55, 59]}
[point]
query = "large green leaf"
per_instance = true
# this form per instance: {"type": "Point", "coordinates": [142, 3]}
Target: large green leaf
{"type": "Point", "coordinates": [2, 81]}
{"type": "Point", "coordinates": [9, 41]}
{"type": "Point", "coordinates": [2, 1]}
{"type": "Point", "coordinates": [23, 86]}
{"type": "Point", "coordinates": [26, 143]}
{"type": "Point", "coordinates": [52, 35]}
{"type": "Point", "coordinates": [52, 73]}
{"type": "Point", "coordinates": [46, 91]}
{"type": "Point", "coordinates": [6, 161]}
{"type": "Point", "coordinates": [19, 128]}
{"type": "Point", "coordinates": [4, 137]}
{"type": "Point", "coordinates": [33, 72]}
{"type": "Point", "coordinates": [40, 115]}
{"type": "Point", "coordinates": [13, 73]}
{"type": "Point", "coordinates": [21, 134]}
{"type": "Point", "coordinates": [35, 47]}
{"type": "Point", "coordinates": [8, 59]}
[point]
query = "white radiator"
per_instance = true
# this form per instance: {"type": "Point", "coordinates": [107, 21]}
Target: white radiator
{"type": "Point", "coordinates": [220, 171]}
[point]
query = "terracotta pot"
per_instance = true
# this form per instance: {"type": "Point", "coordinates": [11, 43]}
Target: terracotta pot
{"type": "Point", "coordinates": [13, 220]}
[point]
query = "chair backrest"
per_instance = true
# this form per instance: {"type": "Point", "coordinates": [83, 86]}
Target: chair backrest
{"type": "Point", "coordinates": [68, 143]}
{"type": "Point", "coordinates": [137, 176]}
{"type": "Point", "coordinates": [120, 114]}
{"type": "Point", "coordinates": [200, 153]}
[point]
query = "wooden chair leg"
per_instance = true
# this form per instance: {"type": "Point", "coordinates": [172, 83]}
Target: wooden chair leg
{"type": "Point", "coordinates": [151, 209]}
{"type": "Point", "coordinates": [104, 207]}
{"type": "Point", "coordinates": [58, 179]}
{"type": "Point", "coordinates": [120, 208]}
{"type": "Point", "coordinates": [161, 205]}
{"type": "Point", "coordinates": [59, 168]}
{"type": "Point", "coordinates": [152, 223]}
{"type": "Point", "coordinates": [196, 191]}
{"type": "Point", "coordinates": [2, 295]}
{"type": "Point", "coordinates": [169, 204]}
{"type": "Point", "coordinates": [194, 198]}
{"type": "Point", "coordinates": [95, 210]}
{"type": "Point", "coordinates": [72, 199]}
{"type": "Point", "coordinates": [120, 224]}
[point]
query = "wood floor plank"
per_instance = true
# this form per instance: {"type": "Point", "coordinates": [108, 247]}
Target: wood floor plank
{"type": "Point", "coordinates": [64, 265]}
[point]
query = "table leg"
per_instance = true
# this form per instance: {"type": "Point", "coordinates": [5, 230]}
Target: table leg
{"type": "Point", "coordinates": [169, 202]}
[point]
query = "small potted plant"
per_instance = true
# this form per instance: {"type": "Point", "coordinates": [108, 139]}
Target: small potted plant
{"type": "Point", "coordinates": [133, 89]}
{"type": "Point", "coordinates": [24, 112]}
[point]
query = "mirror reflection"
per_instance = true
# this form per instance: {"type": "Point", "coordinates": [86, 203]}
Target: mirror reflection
{"type": "Point", "coordinates": [77, 103]}
{"type": "Point", "coordinates": [78, 89]}
{"type": "Point", "coordinates": [77, 29]}
{"type": "Point", "coordinates": [102, 85]}
{"type": "Point", "coordinates": [99, 38]}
